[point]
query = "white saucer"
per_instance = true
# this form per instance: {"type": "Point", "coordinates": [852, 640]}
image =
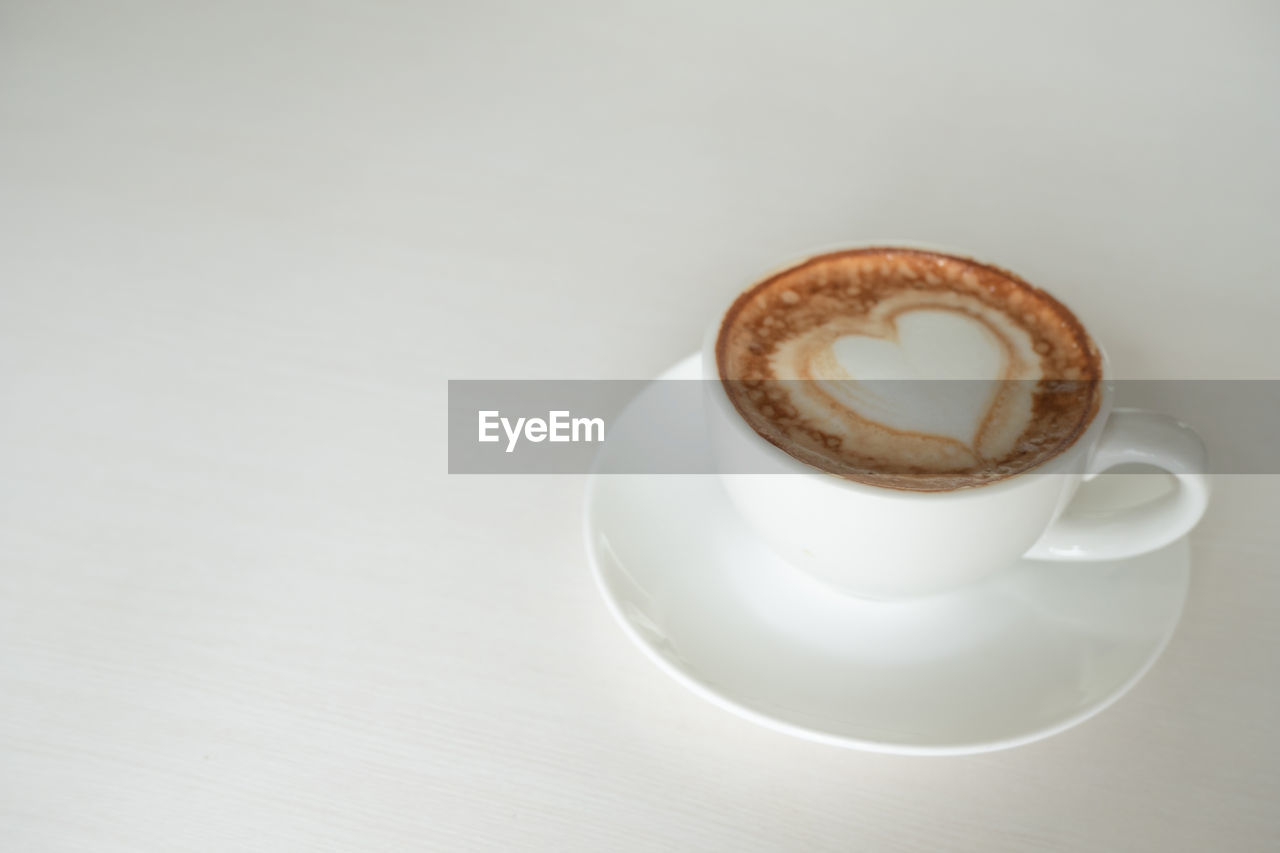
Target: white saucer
{"type": "Point", "coordinates": [1029, 653]}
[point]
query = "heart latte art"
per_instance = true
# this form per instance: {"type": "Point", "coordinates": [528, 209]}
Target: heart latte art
{"type": "Point", "coordinates": [908, 369]}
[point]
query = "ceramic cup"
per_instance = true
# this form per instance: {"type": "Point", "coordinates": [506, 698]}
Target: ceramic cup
{"type": "Point", "coordinates": [881, 542]}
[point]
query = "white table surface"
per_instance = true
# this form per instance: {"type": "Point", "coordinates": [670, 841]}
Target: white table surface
{"type": "Point", "coordinates": [242, 605]}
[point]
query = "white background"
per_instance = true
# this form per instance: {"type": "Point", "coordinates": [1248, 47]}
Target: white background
{"type": "Point", "coordinates": [244, 244]}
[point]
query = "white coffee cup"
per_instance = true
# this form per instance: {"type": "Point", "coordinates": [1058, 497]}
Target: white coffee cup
{"type": "Point", "coordinates": [882, 542]}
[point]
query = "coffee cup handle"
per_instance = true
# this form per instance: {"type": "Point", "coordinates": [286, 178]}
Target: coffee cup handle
{"type": "Point", "coordinates": [1133, 435]}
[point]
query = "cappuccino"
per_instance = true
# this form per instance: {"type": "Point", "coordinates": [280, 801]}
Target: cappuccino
{"type": "Point", "coordinates": [908, 369]}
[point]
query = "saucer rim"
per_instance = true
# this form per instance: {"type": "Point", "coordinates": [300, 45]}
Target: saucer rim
{"type": "Point", "coordinates": [710, 694]}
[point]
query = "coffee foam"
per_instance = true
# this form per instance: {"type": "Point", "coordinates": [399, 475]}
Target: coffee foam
{"type": "Point", "coordinates": [825, 361]}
